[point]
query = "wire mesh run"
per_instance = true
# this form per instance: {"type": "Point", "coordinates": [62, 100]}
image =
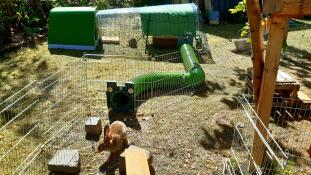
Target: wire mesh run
{"type": "Point", "coordinates": [49, 115]}
{"type": "Point", "coordinates": [285, 144]}
{"type": "Point", "coordinates": [120, 32]}
{"type": "Point", "coordinates": [35, 114]}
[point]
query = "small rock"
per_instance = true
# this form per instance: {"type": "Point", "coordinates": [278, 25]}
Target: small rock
{"type": "Point", "coordinates": [188, 155]}
{"type": "Point", "coordinates": [187, 161]}
{"type": "Point", "coordinates": [193, 166]}
{"type": "Point", "coordinates": [88, 167]}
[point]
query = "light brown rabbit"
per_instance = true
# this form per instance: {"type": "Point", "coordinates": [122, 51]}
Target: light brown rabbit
{"type": "Point", "coordinates": [114, 139]}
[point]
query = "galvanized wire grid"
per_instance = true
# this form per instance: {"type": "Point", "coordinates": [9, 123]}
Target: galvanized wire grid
{"type": "Point", "coordinates": [126, 26]}
{"type": "Point", "coordinates": [46, 116]}
{"type": "Point", "coordinates": [37, 113]}
{"type": "Point", "coordinates": [285, 145]}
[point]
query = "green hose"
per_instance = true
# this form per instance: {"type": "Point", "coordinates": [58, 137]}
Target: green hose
{"type": "Point", "coordinates": [193, 76]}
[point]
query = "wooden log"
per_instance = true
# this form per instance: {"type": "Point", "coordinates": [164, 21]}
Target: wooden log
{"type": "Point", "coordinates": [276, 36]}
{"type": "Point", "coordinates": [136, 162]}
{"type": "Point", "coordinates": [292, 8]}
{"type": "Point", "coordinates": [110, 40]}
{"type": "Point", "coordinates": [256, 29]}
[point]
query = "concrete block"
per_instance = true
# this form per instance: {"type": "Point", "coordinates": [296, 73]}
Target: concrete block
{"type": "Point", "coordinates": [93, 126]}
{"type": "Point", "coordinates": [65, 161]}
{"type": "Point", "coordinates": [122, 169]}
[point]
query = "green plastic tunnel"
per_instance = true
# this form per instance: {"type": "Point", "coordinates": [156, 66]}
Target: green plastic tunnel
{"type": "Point", "coordinates": [121, 98]}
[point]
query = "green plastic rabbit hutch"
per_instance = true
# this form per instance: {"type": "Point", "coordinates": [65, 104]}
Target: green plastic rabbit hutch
{"type": "Point", "coordinates": [72, 28]}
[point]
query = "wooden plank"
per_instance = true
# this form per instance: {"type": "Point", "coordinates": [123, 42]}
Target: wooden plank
{"type": "Point", "coordinates": [136, 162]}
{"type": "Point", "coordinates": [287, 7]}
{"type": "Point", "coordinates": [283, 77]}
{"type": "Point", "coordinates": [304, 98]}
{"type": "Point", "coordinates": [110, 40]}
{"type": "Point", "coordinates": [272, 6]}
{"type": "Point", "coordinates": [256, 29]}
{"type": "Point", "coordinates": [276, 36]}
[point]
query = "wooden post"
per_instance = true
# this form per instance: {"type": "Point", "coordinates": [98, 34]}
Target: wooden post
{"type": "Point", "coordinates": [271, 66]}
{"type": "Point", "coordinates": [256, 29]}
{"type": "Point", "coordinates": [292, 8]}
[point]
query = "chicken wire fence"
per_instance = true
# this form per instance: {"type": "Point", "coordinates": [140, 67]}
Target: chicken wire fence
{"type": "Point", "coordinates": [286, 141]}
{"type": "Point", "coordinates": [122, 30]}
{"type": "Point", "coordinates": [49, 115]}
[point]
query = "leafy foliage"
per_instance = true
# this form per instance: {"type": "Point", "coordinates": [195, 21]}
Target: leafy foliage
{"type": "Point", "coordinates": [27, 17]}
{"type": "Point", "coordinates": [240, 7]}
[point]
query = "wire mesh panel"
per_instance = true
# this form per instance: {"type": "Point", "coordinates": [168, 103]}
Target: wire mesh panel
{"type": "Point", "coordinates": [285, 148]}
{"type": "Point", "coordinates": [49, 115]}
{"type": "Point", "coordinates": [36, 112]}
{"type": "Point", "coordinates": [131, 32]}
{"type": "Point", "coordinates": [120, 32]}
{"type": "Point", "coordinates": [123, 70]}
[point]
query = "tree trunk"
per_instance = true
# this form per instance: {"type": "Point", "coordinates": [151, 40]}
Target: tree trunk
{"type": "Point", "coordinates": [8, 8]}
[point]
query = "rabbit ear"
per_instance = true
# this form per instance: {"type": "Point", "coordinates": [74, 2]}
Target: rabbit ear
{"type": "Point", "coordinates": [107, 134]}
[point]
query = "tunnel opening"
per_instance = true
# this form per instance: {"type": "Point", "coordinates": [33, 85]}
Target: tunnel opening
{"type": "Point", "coordinates": [120, 99]}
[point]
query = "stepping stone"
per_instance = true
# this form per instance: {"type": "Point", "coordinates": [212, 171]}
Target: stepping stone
{"type": "Point", "coordinates": [93, 126]}
{"type": "Point", "coordinates": [65, 161]}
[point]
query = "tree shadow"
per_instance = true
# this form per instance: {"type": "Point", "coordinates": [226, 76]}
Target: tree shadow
{"type": "Point", "coordinates": [227, 31]}
{"type": "Point", "coordinates": [211, 87]}
{"type": "Point", "coordinates": [240, 75]}
{"type": "Point", "coordinates": [231, 103]}
{"type": "Point", "coordinates": [32, 42]}
{"type": "Point", "coordinates": [219, 139]}
{"type": "Point", "coordinates": [296, 53]}
{"type": "Point", "coordinates": [300, 65]}
{"type": "Point", "coordinates": [297, 25]}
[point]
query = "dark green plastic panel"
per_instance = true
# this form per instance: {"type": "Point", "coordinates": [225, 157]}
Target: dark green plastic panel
{"type": "Point", "coordinates": [72, 26]}
{"type": "Point", "coordinates": [176, 20]}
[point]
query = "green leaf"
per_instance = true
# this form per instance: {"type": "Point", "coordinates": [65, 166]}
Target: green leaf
{"type": "Point", "coordinates": [240, 7]}
{"type": "Point", "coordinates": [244, 33]}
